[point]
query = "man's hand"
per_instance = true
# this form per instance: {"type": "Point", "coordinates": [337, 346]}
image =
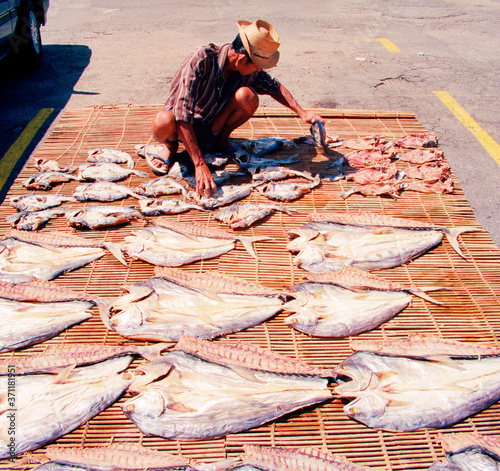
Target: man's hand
{"type": "Point", "coordinates": [313, 118]}
{"type": "Point", "coordinates": [205, 184]}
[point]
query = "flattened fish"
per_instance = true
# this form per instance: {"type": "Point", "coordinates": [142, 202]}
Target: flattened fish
{"type": "Point", "coordinates": [413, 141]}
{"type": "Point", "coordinates": [224, 195]}
{"type": "Point", "coordinates": [404, 394]}
{"type": "Point", "coordinates": [324, 310]}
{"type": "Point", "coordinates": [422, 156]}
{"type": "Point", "coordinates": [109, 172]}
{"type": "Point", "coordinates": [45, 180]}
{"type": "Point", "coordinates": [279, 173]}
{"type": "Point", "coordinates": [48, 408]}
{"type": "Point", "coordinates": [38, 202]}
{"type": "Point", "coordinates": [103, 191]}
{"type": "Point", "coordinates": [244, 215]}
{"type": "Point", "coordinates": [31, 221]}
{"type": "Point", "coordinates": [99, 216]}
{"type": "Point", "coordinates": [288, 191]}
{"type": "Point", "coordinates": [389, 188]}
{"type": "Point", "coordinates": [47, 165]}
{"type": "Point", "coordinates": [291, 459]}
{"type": "Point", "coordinates": [200, 399]}
{"type": "Point", "coordinates": [159, 206]}
{"type": "Point", "coordinates": [198, 305]}
{"type": "Point", "coordinates": [161, 186]}
{"type": "Point", "coordinates": [33, 312]}
{"type": "Point", "coordinates": [46, 255]}
{"type": "Point", "coordinates": [172, 243]}
{"type": "Point", "coordinates": [110, 155]}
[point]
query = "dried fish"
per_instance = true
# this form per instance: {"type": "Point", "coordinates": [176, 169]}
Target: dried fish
{"type": "Point", "coordinates": [253, 162]}
{"type": "Point", "coordinates": [161, 186]}
{"type": "Point", "coordinates": [110, 155]}
{"type": "Point", "coordinates": [263, 146]}
{"type": "Point", "coordinates": [164, 309]}
{"type": "Point", "coordinates": [224, 195]}
{"type": "Point", "coordinates": [389, 188]}
{"type": "Point", "coordinates": [405, 394]}
{"type": "Point", "coordinates": [288, 191]}
{"type": "Point", "coordinates": [46, 165]}
{"type": "Point", "coordinates": [412, 141]}
{"type": "Point", "coordinates": [97, 217]}
{"type": "Point", "coordinates": [45, 180]}
{"type": "Point", "coordinates": [158, 206]}
{"type": "Point", "coordinates": [244, 215]}
{"type": "Point", "coordinates": [31, 221]}
{"type": "Point", "coordinates": [325, 310]}
{"type": "Point", "coordinates": [103, 191]}
{"type": "Point", "coordinates": [35, 202]}
{"type": "Point", "coordinates": [109, 172]}
{"type": "Point", "coordinates": [291, 459]}
{"type": "Point", "coordinates": [422, 156]}
{"type": "Point", "coordinates": [369, 159]}
{"type": "Point", "coordinates": [438, 187]}
{"type": "Point", "coordinates": [279, 173]}
{"type": "Point", "coordinates": [319, 134]}
{"type": "Point", "coordinates": [46, 255]}
{"type": "Point", "coordinates": [200, 399]}
{"type": "Point", "coordinates": [48, 408]}
{"type": "Point", "coordinates": [373, 174]}
{"type": "Point", "coordinates": [171, 243]}
{"type": "Point", "coordinates": [33, 312]}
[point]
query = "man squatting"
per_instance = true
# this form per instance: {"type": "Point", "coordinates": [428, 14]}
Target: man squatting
{"type": "Point", "coordinates": [216, 90]}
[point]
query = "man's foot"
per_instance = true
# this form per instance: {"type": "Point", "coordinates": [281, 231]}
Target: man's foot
{"type": "Point", "coordinates": [158, 156]}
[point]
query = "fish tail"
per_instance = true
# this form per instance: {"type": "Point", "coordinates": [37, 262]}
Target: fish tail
{"type": "Point", "coordinates": [420, 292]}
{"type": "Point", "coordinates": [248, 243]}
{"type": "Point", "coordinates": [347, 193]}
{"type": "Point", "coordinates": [103, 305]}
{"type": "Point", "coordinates": [452, 234]}
{"type": "Point", "coordinates": [153, 352]}
{"type": "Point", "coordinates": [116, 250]}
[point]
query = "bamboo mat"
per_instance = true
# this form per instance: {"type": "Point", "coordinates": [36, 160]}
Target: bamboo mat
{"type": "Point", "coordinates": [470, 312]}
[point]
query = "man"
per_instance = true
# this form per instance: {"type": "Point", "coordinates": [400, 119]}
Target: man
{"type": "Point", "coordinates": [214, 92]}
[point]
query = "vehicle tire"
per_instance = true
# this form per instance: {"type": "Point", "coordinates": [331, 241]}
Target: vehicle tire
{"type": "Point", "coordinates": [27, 42]}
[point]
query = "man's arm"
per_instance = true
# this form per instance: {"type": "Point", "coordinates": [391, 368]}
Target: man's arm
{"type": "Point", "coordinates": [205, 184]}
{"type": "Point", "coordinates": [284, 97]}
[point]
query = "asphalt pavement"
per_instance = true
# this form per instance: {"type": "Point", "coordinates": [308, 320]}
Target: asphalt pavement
{"type": "Point", "coordinates": [438, 59]}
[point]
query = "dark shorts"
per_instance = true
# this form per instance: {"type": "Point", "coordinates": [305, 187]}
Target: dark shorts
{"type": "Point", "coordinates": [204, 135]}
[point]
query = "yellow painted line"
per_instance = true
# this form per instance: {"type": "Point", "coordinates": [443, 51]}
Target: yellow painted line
{"type": "Point", "coordinates": [16, 150]}
{"type": "Point", "coordinates": [491, 146]}
{"type": "Point", "coordinates": [389, 45]}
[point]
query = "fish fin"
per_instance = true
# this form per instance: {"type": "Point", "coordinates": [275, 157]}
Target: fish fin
{"type": "Point", "coordinates": [180, 407]}
{"type": "Point", "coordinates": [116, 250]}
{"type": "Point", "coordinates": [245, 373]}
{"type": "Point", "coordinates": [385, 374]}
{"type": "Point", "coordinates": [104, 307]}
{"type": "Point", "coordinates": [64, 375]}
{"type": "Point", "coordinates": [452, 234]}
{"type": "Point", "coordinates": [140, 173]}
{"type": "Point", "coordinates": [421, 294]}
{"type": "Point", "coordinates": [248, 241]}
{"type": "Point", "coordinates": [347, 193]}
{"type": "Point", "coordinates": [394, 403]}
{"type": "Point", "coordinates": [152, 352]}
{"type": "Point", "coordinates": [445, 360]}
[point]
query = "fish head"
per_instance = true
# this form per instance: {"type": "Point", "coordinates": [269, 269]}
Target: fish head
{"type": "Point", "coordinates": [151, 404]}
{"type": "Point", "coordinates": [306, 318]}
{"type": "Point", "coordinates": [366, 407]}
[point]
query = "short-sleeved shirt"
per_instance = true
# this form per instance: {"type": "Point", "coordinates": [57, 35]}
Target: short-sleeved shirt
{"type": "Point", "coordinates": [199, 89]}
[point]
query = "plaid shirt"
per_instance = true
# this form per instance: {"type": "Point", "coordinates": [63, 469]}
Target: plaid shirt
{"type": "Point", "coordinates": [199, 89]}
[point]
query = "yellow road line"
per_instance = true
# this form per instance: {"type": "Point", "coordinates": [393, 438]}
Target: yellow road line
{"type": "Point", "coordinates": [389, 45]}
{"type": "Point", "coordinates": [491, 146]}
{"type": "Point", "coordinates": [16, 150]}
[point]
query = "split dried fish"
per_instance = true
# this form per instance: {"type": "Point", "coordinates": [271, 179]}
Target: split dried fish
{"type": "Point", "coordinates": [171, 243]}
{"type": "Point", "coordinates": [399, 393]}
{"type": "Point", "coordinates": [279, 173]}
{"type": "Point", "coordinates": [224, 195]}
{"type": "Point", "coordinates": [422, 156]}
{"type": "Point", "coordinates": [31, 221]}
{"type": "Point", "coordinates": [438, 187]}
{"type": "Point", "coordinates": [48, 165]}
{"type": "Point", "coordinates": [48, 408]}
{"type": "Point", "coordinates": [245, 214]}
{"type": "Point", "coordinates": [33, 312]}
{"type": "Point", "coordinates": [46, 255]}
{"type": "Point", "coordinates": [161, 186]}
{"type": "Point", "coordinates": [197, 305]}
{"type": "Point", "coordinates": [158, 206]}
{"type": "Point", "coordinates": [369, 159]}
{"type": "Point", "coordinates": [109, 172]}
{"type": "Point", "coordinates": [97, 217]}
{"type": "Point", "coordinates": [110, 155]}
{"type": "Point", "coordinates": [367, 241]}
{"type": "Point", "coordinates": [103, 191]}
{"type": "Point", "coordinates": [373, 174]}
{"type": "Point", "coordinates": [45, 180]}
{"type": "Point", "coordinates": [199, 399]}
{"type": "Point", "coordinates": [390, 188]}
{"type": "Point", "coordinates": [291, 459]}
{"type": "Point", "coordinates": [288, 191]}
{"type": "Point", "coordinates": [412, 141]}
{"type": "Point", "coordinates": [35, 202]}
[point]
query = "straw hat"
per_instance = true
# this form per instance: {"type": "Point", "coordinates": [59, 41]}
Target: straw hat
{"type": "Point", "coordinates": [261, 41]}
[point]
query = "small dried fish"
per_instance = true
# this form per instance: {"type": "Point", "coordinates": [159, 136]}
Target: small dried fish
{"type": "Point", "coordinates": [422, 156]}
{"type": "Point", "coordinates": [288, 191]}
{"type": "Point", "coordinates": [171, 243]}
{"type": "Point", "coordinates": [109, 172]}
{"type": "Point", "coordinates": [279, 173]}
{"type": "Point", "coordinates": [103, 191]}
{"type": "Point", "coordinates": [430, 172]}
{"type": "Point", "coordinates": [412, 141]}
{"type": "Point", "coordinates": [31, 221]}
{"type": "Point", "coordinates": [244, 215]}
{"type": "Point", "coordinates": [390, 188]}
{"type": "Point", "coordinates": [46, 165]}
{"type": "Point", "coordinates": [439, 187]}
{"type": "Point", "coordinates": [224, 195]}
{"type": "Point", "coordinates": [110, 155]}
{"type": "Point", "coordinates": [36, 202]}
{"type": "Point", "coordinates": [161, 186]}
{"type": "Point", "coordinates": [368, 143]}
{"type": "Point", "coordinates": [319, 134]}
{"type": "Point", "coordinates": [158, 206]}
{"type": "Point", "coordinates": [97, 217]}
{"type": "Point", "coordinates": [369, 159]}
{"type": "Point", "coordinates": [45, 180]}
{"type": "Point", "coordinates": [373, 174]}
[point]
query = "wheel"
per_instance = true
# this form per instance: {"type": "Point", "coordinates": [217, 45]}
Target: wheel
{"type": "Point", "coordinates": [27, 42]}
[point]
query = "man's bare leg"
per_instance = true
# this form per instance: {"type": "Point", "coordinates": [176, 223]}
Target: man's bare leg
{"type": "Point", "coordinates": [237, 111]}
{"type": "Point", "coordinates": [165, 131]}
